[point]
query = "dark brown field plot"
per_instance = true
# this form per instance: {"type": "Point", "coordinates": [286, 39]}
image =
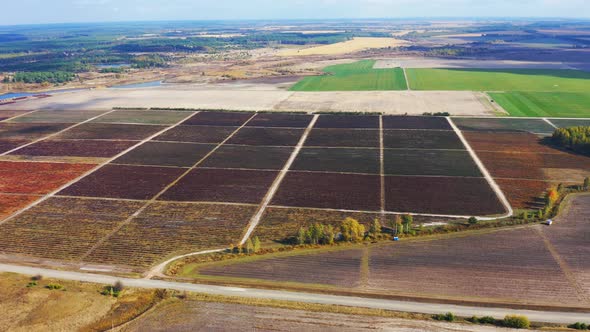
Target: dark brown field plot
{"type": "Point", "coordinates": [537, 166]}
{"type": "Point", "coordinates": [507, 266]}
{"type": "Point", "coordinates": [441, 195]}
{"type": "Point", "coordinates": [144, 117]}
{"type": "Point", "coordinates": [63, 228]}
{"type": "Point", "coordinates": [196, 134]}
{"type": "Point", "coordinates": [9, 144]}
{"type": "Point", "coordinates": [267, 136]}
{"type": "Point", "coordinates": [429, 162]}
{"type": "Point", "coordinates": [329, 190]}
{"type": "Point", "coordinates": [166, 154]}
{"type": "Point", "coordinates": [343, 138]}
{"type": "Point", "coordinates": [507, 142]}
{"type": "Point", "coordinates": [525, 194]}
{"type": "Point", "coordinates": [415, 122]}
{"type": "Point", "coordinates": [564, 123]}
{"type": "Point", "coordinates": [348, 121]}
{"type": "Point", "coordinates": [72, 148]}
{"type": "Point", "coordinates": [280, 120]}
{"type": "Point", "coordinates": [537, 126]}
{"type": "Point", "coordinates": [10, 204]}
{"type": "Point", "coordinates": [37, 177]}
{"type": "Point", "coordinates": [58, 116]}
{"type": "Point", "coordinates": [569, 235]}
{"type": "Point", "coordinates": [282, 224]}
{"type": "Point", "coordinates": [111, 131]}
{"type": "Point", "coordinates": [129, 182]}
{"type": "Point", "coordinates": [218, 119]}
{"type": "Point", "coordinates": [248, 157]}
{"type": "Point", "coordinates": [7, 114]}
{"type": "Point", "coordinates": [164, 229]}
{"type": "Point", "coordinates": [344, 266]}
{"type": "Point", "coordinates": [338, 160]}
{"type": "Point", "coordinates": [30, 131]}
{"type": "Point", "coordinates": [421, 139]}
{"type": "Point", "coordinates": [221, 185]}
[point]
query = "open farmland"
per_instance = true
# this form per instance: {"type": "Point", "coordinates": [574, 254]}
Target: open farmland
{"type": "Point", "coordinates": [539, 80]}
{"type": "Point", "coordinates": [215, 168]}
{"type": "Point", "coordinates": [349, 46]}
{"type": "Point", "coordinates": [358, 76]}
{"type": "Point", "coordinates": [544, 104]}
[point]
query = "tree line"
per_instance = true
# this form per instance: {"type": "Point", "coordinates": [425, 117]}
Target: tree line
{"type": "Point", "coordinates": [574, 138]}
{"type": "Point", "coordinates": [40, 77]}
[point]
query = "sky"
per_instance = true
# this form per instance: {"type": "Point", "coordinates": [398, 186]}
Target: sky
{"type": "Point", "coordinates": [66, 11]}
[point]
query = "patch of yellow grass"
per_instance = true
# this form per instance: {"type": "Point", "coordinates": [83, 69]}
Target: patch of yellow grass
{"type": "Point", "coordinates": [350, 46]}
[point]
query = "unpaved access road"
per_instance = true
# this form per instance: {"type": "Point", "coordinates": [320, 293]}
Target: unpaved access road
{"type": "Point", "coordinates": [404, 306]}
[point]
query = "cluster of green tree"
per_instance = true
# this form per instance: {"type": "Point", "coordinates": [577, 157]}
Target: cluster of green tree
{"type": "Point", "coordinates": [553, 197]}
{"type": "Point", "coordinates": [579, 326]}
{"type": "Point", "coordinates": [510, 321]}
{"type": "Point", "coordinates": [574, 138]}
{"type": "Point", "coordinates": [41, 77]}
{"type": "Point", "coordinates": [114, 70]}
{"type": "Point", "coordinates": [250, 247]}
{"type": "Point", "coordinates": [150, 61]}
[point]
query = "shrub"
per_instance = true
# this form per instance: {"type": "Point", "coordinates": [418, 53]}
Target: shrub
{"type": "Point", "coordinates": [488, 320]}
{"type": "Point", "coordinates": [37, 277]}
{"type": "Point", "coordinates": [54, 286]}
{"type": "Point", "coordinates": [472, 221]}
{"type": "Point", "coordinates": [114, 290]}
{"type": "Point", "coordinates": [517, 322]}
{"type": "Point", "coordinates": [449, 317]}
{"type": "Point", "coordinates": [32, 284]}
{"type": "Point", "coordinates": [579, 326]}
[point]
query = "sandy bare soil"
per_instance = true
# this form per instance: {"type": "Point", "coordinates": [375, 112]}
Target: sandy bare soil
{"type": "Point", "coordinates": [389, 102]}
{"type": "Point", "coordinates": [350, 46]}
{"type": "Point", "coordinates": [204, 316]}
{"type": "Point", "coordinates": [451, 63]}
{"type": "Point", "coordinates": [265, 96]}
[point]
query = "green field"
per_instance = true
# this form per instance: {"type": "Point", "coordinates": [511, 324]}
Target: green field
{"type": "Point", "coordinates": [539, 80]}
{"type": "Point", "coordinates": [544, 104]}
{"type": "Point", "coordinates": [358, 76]}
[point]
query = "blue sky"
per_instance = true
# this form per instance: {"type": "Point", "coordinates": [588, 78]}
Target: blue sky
{"type": "Point", "coordinates": [58, 11]}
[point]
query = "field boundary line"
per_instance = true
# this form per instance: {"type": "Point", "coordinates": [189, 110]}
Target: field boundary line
{"type": "Point", "coordinates": [279, 179]}
{"type": "Point", "coordinates": [381, 169]}
{"type": "Point", "coordinates": [563, 265]}
{"type": "Point", "coordinates": [550, 123]}
{"type": "Point", "coordinates": [55, 134]}
{"type": "Point", "coordinates": [99, 166]}
{"type": "Point", "coordinates": [406, 78]}
{"type": "Point", "coordinates": [159, 194]}
{"type": "Point", "coordinates": [18, 116]}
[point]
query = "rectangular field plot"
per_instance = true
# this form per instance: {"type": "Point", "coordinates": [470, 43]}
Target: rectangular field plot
{"type": "Point", "coordinates": [343, 138]}
{"type": "Point", "coordinates": [110, 131]}
{"type": "Point", "coordinates": [441, 195]}
{"type": "Point", "coordinates": [345, 266]}
{"type": "Point", "coordinates": [329, 190]}
{"type": "Point", "coordinates": [218, 119]}
{"type": "Point", "coordinates": [63, 228]}
{"type": "Point", "coordinates": [165, 154]}
{"type": "Point", "coordinates": [525, 194]}
{"type": "Point", "coordinates": [507, 142]}
{"type": "Point", "coordinates": [29, 131]}
{"type": "Point", "coordinates": [348, 121]}
{"type": "Point", "coordinates": [548, 80]}
{"type": "Point", "coordinates": [564, 123]}
{"type": "Point", "coordinates": [563, 167]}
{"type": "Point", "coordinates": [196, 134]}
{"type": "Point", "coordinates": [536, 126]}
{"type": "Point", "coordinates": [543, 104]}
{"type": "Point", "coordinates": [267, 136]}
{"type": "Point", "coordinates": [7, 114]}
{"type": "Point", "coordinates": [9, 144]}
{"type": "Point", "coordinates": [221, 185]}
{"type": "Point", "coordinates": [248, 157]}
{"type": "Point", "coordinates": [415, 122]}
{"type": "Point", "coordinates": [73, 148]}
{"type": "Point", "coordinates": [429, 162]}
{"type": "Point", "coordinates": [338, 160]}
{"type": "Point", "coordinates": [164, 229]}
{"type": "Point", "coordinates": [280, 120]}
{"type": "Point", "coordinates": [421, 139]}
{"type": "Point", "coordinates": [143, 117]}
{"type": "Point", "coordinates": [128, 182]}
{"type": "Point", "coordinates": [474, 268]}
{"type": "Point", "coordinates": [37, 177]}
{"type": "Point", "coordinates": [58, 116]}
{"type": "Point", "coordinates": [10, 204]}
